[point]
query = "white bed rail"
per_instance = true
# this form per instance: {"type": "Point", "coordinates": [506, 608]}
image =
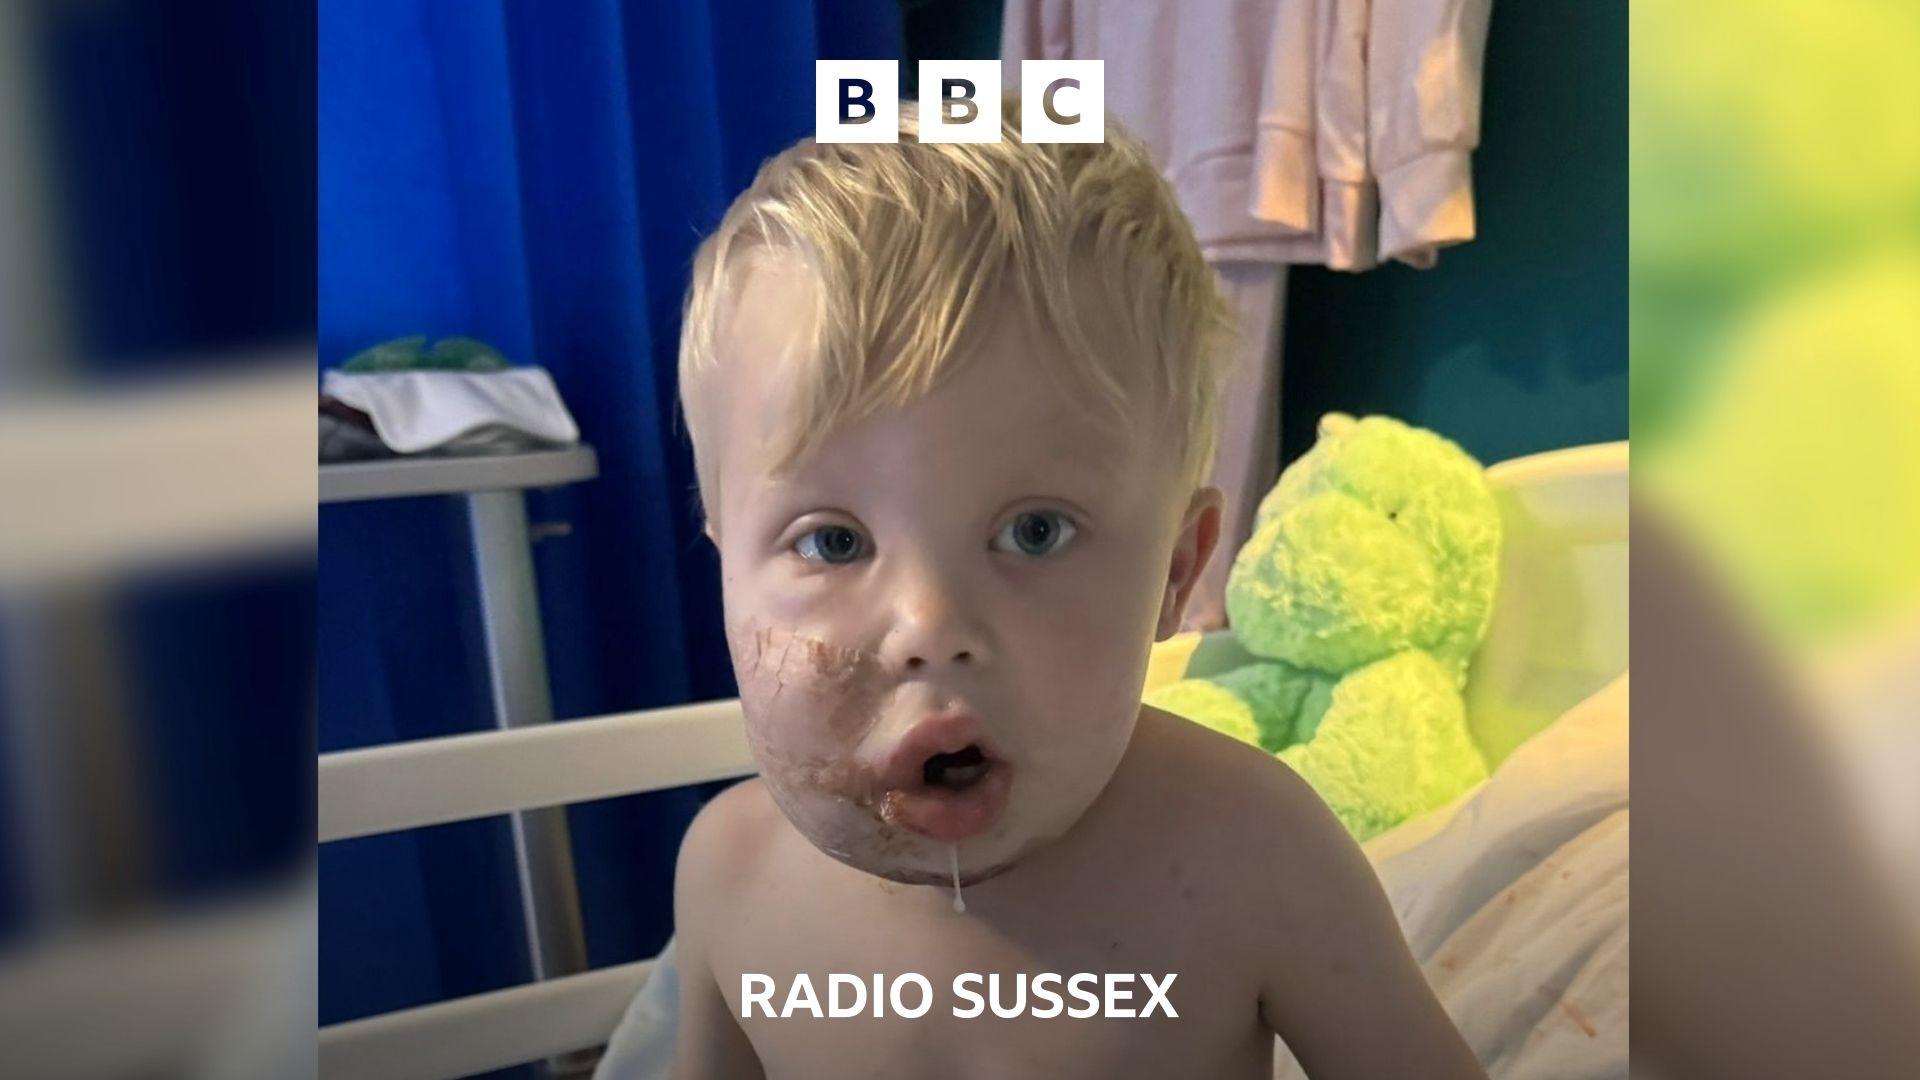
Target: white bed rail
{"type": "Point", "coordinates": [433, 781]}
{"type": "Point", "coordinates": [485, 1031]}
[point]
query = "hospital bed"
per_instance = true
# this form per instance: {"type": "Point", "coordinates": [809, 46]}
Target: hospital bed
{"type": "Point", "coordinates": [1558, 634]}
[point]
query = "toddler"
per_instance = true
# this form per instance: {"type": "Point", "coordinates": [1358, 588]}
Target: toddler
{"type": "Point", "coordinates": [952, 409]}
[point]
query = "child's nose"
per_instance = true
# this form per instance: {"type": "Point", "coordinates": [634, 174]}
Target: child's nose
{"type": "Point", "coordinates": [917, 648]}
{"type": "Point", "coordinates": [916, 663]}
{"type": "Point", "coordinates": [932, 631]}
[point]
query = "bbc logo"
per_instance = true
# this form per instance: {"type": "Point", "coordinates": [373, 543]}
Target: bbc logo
{"type": "Point", "coordinates": [858, 101]}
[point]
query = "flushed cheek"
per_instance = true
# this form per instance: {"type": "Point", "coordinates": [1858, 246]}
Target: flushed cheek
{"type": "Point", "coordinates": [1081, 724]}
{"type": "Point", "coordinates": [1085, 675]}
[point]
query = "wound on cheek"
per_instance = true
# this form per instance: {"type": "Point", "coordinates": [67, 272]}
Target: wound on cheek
{"type": "Point", "coordinates": [846, 685]}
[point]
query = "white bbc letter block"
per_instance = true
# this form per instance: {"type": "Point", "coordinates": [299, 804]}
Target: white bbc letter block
{"type": "Point", "coordinates": [1063, 101]}
{"type": "Point", "coordinates": [959, 101]}
{"type": "Point", "coordinates": [856, 101]}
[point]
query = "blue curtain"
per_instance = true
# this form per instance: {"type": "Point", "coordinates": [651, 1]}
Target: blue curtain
{"type": "Point", "coordinates": [536, 175]}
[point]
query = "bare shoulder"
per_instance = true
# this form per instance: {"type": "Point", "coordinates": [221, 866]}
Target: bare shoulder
{"type": "Point", "coordinates": [1334, 968]}
{"type": "Point", "coordinates": [722, 848]}
{"type": "Point", "coordinates": [1271, 817]}
{"type": "Point", "coordinates": [1267, 830]}
{"type": "Point", "coordinates": [743, 812]}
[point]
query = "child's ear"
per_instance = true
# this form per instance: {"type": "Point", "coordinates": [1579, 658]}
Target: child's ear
{"type": "Point", "coordinates": [1199, 535]}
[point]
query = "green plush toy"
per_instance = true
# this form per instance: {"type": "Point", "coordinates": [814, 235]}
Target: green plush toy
{"type": "Point", "coordinates": [1364, 590]}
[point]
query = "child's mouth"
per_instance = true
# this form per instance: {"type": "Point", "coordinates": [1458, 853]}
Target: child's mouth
{"type": "Point", "coordinates": [958, 771]}
{"type": "Point", "coordinates": [944, 782]}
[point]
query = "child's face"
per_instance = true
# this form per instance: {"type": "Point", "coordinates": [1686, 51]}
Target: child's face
{"type": "Point", "coordinates": [940, 618]}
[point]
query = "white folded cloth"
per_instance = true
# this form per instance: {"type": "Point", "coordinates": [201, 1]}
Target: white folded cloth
{"type": "Point", "coordinates": [417, 411]}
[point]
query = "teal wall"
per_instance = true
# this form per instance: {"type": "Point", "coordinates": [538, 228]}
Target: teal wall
{"type": "Point", "coordinates": [1515, 342]}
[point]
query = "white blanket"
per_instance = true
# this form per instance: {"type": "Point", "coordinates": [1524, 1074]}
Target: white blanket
{"type": "Point", "coordinates": [1514, 899]}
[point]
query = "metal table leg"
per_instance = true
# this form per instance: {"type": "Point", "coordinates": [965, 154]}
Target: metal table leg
{"type": "Point", "coordinates": [517, 668]}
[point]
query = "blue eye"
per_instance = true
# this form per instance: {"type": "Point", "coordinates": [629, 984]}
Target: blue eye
{"type": "Point", "coordinates": [1036, 533]}
{"type": "Point", "coordinates": [836, 544]}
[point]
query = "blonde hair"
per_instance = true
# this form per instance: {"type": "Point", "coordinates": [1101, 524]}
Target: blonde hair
{"type": "Point", "coordinates": [909, 244]}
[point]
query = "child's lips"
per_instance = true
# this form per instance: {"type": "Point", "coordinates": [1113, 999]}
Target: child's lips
{"type": "Point", "coordinates": [944, 780]}
{"type": "Point", "coordinates": [948, 815]}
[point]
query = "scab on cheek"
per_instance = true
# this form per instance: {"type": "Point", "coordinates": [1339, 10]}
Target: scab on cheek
{"type": "Point", "coordinates": [815, 696]}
